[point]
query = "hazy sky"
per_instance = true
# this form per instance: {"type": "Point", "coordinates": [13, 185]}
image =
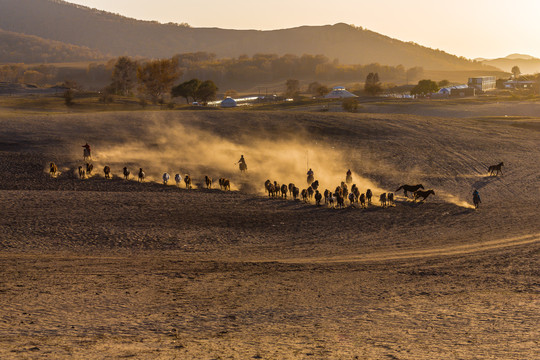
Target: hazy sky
{"type": "Point", "coordinates": [470, 28]}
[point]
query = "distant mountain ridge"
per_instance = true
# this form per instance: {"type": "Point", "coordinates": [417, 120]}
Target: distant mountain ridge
{"type": "Point", "coordinates": [118, 35]}
{"type": "Point", "coordinates": [527, 64]}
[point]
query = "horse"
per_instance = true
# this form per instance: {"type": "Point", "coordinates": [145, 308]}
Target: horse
{"type": "Point", "coordinates": [318, 198]}
{"type": "Point", "coordinates": [271, 190]}
{"type": "Point", "coordinates": [351, 199]}
{"type": "Point", "coordinates": [326, 195]}
{"type": "Point", "coordinates": [225, 184]}
{"type": "Point", "coordinates": [166, 178]}
{"type": "Point", "coordinates": [295, 192]}
{"type": "Point", "coordinates": [409, 188]}
{"type": "Point", "coordinates": [339, 200]}
{"type": "Point", "coordinates": [476, 200]}
{"type": "Point", "coordinates": [356, 192]}
{"type": "Point", "coordinates": [382, 199]}
{"type": "Point", "coordinates": [310, 179]}
{"type": "Point", "coordinates": [362, 200]}
{"type": "Point", "coordinates": [369, 194]}
{"type": "Point", "coordinates": [315, 185]}
{"type": "Point", "coordinates": [267, 184]}
{"type": "Point", "coordinates": [304, 195]}
{"type": "Point", "coordinates": [53, 169]}
{"type": "Point", "coordinates": [422, 194]}
{"type": "Point", "coordinates": [345, 191]}
{"type": "Point", "coordinates": [291, 187]}
{"type": "Point", "coordinates": [187, 180]}
{"type": "Point", "coordinates": [82, 173]}
{"type": "Point", "coordinates": [496, 169]}
{"type": "Point", "coordinates": [142, 175]}
{"type": "Point", "coordinates": [126, 173]}
{"type": "Point", "coordinates": [310, 192]}
{"type": "Point", "coordinates": [348, 179]}
{"type": "Point", "coordinates": [390, 198]}
{"type": "Point", "coordinates": [243, 167]}
{"type": "Point", "coordinates": [178, 179]}
{"type": "Point", "coordinates": [208, 181]}
{"type": "Point", "coordinates": [107, 171]}
{"type": "Point", "coordinates": [284, 190]}
{"type": "Point", "coordinates": [89, 168]}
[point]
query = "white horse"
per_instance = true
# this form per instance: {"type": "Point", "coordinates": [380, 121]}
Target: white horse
{"type": "Point", "coordinates": [178, 179]}
{"type": "Point", "coordinates": [166, 178]}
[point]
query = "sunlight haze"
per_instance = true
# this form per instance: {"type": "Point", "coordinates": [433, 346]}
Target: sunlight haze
{"type": "Point", "coordinates": [481, 28]}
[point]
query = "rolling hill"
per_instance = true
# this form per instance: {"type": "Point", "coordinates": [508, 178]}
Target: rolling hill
{"type": "Point", "coordinates": [20, 48]}
{"type": "Point", "coordinates": [526, 63]}
{"type": "Point", "coordinates": [117, 35]}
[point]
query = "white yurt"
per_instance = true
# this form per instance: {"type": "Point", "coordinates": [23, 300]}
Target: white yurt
{"type": "Point", "coordinates": [228, 102]}
{"type": "Point", "coordinates": [339, 92]}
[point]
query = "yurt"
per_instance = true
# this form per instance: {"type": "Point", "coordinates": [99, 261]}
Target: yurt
{"type": "Point", "coordinates": [228, 102]}
{"type": "Point", "coordinates": [339, 92]}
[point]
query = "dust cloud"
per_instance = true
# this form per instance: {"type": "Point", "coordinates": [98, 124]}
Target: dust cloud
{"type": "Point", "coordinates": [179, 149]}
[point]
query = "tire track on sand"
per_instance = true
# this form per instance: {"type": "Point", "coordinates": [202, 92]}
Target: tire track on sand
{"type": "Point", "coordinates": [423, 253]}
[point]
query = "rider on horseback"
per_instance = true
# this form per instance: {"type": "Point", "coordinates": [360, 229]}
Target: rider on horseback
{"type": "Point", "coordinates": [349, 173]}
{"type": "Point", "coordinates": [476, 198]}
{"type": "Point", "coordinates": [310, 172]}
{"type": "Point", "coordinates": [87, 152]}
{"type": "Point", "coordinates": [242, 163]}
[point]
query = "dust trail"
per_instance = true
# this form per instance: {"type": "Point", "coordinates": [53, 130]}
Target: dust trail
{"type": "Point", "coordinates": [454, 200]}
{"type": "Point", "coordinates": [177, 149]}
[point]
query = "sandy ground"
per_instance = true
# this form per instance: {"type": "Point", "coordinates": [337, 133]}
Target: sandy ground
{"type": "Point", "coordinates": [99, 268]}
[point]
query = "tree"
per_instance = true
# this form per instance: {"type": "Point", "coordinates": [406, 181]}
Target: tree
{"type": "Point", "coordinates": [317, 89]}
{"type": "Point", "coordinates": [443, 83]}
{"type": "Point", "coordinates": [425, 87]}
{"type": "Point", "coordinates": [124, 75]}
{"type": "Point", "coordinates": [156, 77]}
{"type": "Point", "coordinates": [350, 104]}
{"type": "Point", "coordinates": [372, 85]}
{"type": "Point", "coordinates": [516, 72]}
{"type": "Point", "coordinates": [293, 88]}
{"type": "Point", "coordinates": [186, 89]}
{"type": "Point", "coordinates": [206, 91]}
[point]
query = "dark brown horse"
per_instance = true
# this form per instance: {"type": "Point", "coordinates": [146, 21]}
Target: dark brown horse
{"type": "Point", "coordinates": [142, 175]}
{"type": "Point", "coordinates": [208, 181]}
{"type": "Point", "coordinates": [126, 173]}
{"type": "Point", "coordinates": [409, 188]}
{"type": "Point", "coordinates": [187, 180]}
{"type": "Point", "coordinates": [382, 199]}
{"type": "Point", "coordinates": [496, 169]}
{"type": "Point", "coordinates": [107, 171]}
{"type": "Point", "coordinates": [423, 194]}
{"type": "Point", "coordinates": [53, 169]}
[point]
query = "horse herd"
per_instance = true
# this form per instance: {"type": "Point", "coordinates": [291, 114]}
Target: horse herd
{"type": "Point", "coordinates": [87, 170]}
{"type": "Point", "coordinates": [341, 193]}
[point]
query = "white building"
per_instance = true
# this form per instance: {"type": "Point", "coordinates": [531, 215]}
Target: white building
{"type": "Point", "coordinates": [228, 102]}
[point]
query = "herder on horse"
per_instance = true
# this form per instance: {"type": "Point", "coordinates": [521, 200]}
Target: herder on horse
{"type": "Point", "coordinates": [86, 152]}
{"type": "Point", "coordinates": [242, 164]}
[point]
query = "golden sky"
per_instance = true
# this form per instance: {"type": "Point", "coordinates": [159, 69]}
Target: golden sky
{"type": "Point", "coordinates": [469, 28]}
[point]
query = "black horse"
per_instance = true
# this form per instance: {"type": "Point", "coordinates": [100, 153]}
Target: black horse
{"type": "Point", "coordinates": [422, 194]}
{"type": "Point", "coordinates": [409, 188]}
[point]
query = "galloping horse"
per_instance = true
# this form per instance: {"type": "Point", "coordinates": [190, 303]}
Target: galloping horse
{"type": "Point", "coordinates": [496, 169]}
{"type": "Point", "coordinates": [107, 171]}
{"type": "Point", "coordinates": [126, 173]}
{"type": "Point", "coordinates": [187, 180]}
{"type": "Point", "coordinates": [422, 194]}
{"type": "Point", "coordinates": [53, 169]}
{"type": "Point", "coordinates": [208, 181]}
{"type": "Point", "coordinates": [82, 173]}
{"type": "Point", "coordinates": [348, 179]}
{"type": "Point", "coordinates": [310, 179]}
{"type": "Point", "coordinates": [409, 188]}
{"type": "Point", "coordinates": [166, 178]}
{"type": "Point", "coordinates": [390, 198]}
{"type": "Point", "coordinates": [89, 168]}
{"type": "Point", "coordinates": [369, 194]}
{"type": "Point", "coordinates": [382, 199]}
{"type": "Point", "coordinates": [178, 179]}
{"type": "Point", "coordinates": [284, 190]}
{"type": "Point", "coordinates": [141, 175]}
